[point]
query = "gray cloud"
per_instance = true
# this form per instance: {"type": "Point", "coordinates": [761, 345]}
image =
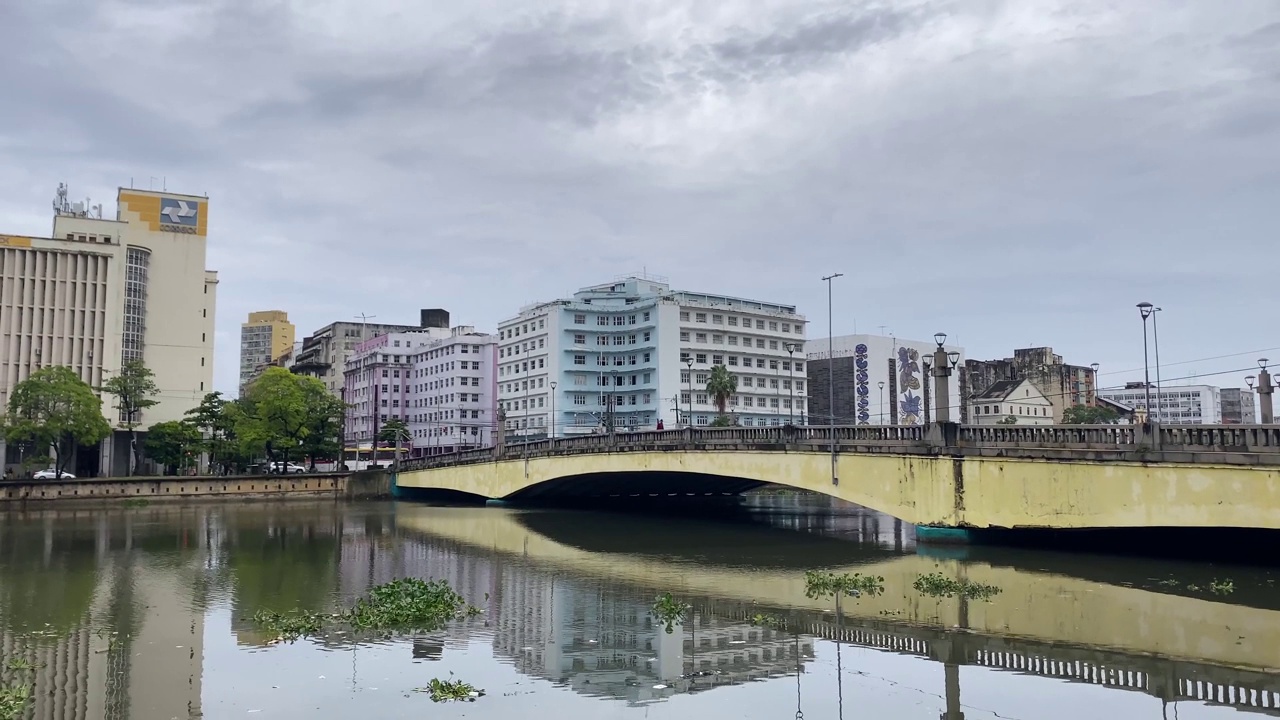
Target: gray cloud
{"type": "Point", "coordinates": [1001, 170]}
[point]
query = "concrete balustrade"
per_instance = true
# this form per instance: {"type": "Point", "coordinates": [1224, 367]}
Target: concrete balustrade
{"type": "Point", "coordinates": [1218, 444]}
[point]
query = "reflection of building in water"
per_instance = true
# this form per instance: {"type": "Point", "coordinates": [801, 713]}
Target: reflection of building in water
{"type": "Point", "coordinates": [145, 661]}
{"type": "Point", "coordinates": [825, 515]}
{"type": "Point", "coordinates": [119, 658]}
{"type": "Point", "coordinates": [68, 673]}
{"type": "Point", "coordinates": [602, 640]}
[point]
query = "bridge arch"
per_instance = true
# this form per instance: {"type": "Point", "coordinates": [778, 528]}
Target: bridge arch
{"type": "Point", "coordinates": [913, 489]}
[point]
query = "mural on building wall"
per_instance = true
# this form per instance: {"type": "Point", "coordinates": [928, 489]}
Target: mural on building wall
{"type": "Point", "coordinates": [909, 403]}
{"type": "Point", "coordinates": [863, 383]}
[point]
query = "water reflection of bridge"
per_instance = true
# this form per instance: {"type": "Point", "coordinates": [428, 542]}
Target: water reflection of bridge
{"type": "Point", "coordinates": [954, 632]}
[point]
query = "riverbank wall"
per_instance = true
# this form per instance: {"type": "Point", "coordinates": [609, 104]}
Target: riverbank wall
{"type": "Point", "coordinates": [367, 485]}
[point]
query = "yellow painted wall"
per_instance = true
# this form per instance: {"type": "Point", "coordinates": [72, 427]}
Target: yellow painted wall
{"type": "Point", "coordinates": [997, 492]}
{"type": "Point", "coordinates": [1037, 606]}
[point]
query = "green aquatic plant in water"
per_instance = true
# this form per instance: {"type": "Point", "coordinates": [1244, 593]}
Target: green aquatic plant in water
{"type": "Point", "coordinates": [939, 585]}
{"type": "Point", "coordinates": [769, 620]}
{"type": "Point", "coordinates": [820, 584]}
{"type": "Point", "coordinates": [1222, 587]}
{"type": "Point", "coordinates": [289, 626]}
{"type": "Point", "coordinates": [409, 604]}
{"type": "Point", "coordinates": [446, 690]}
{"type": "Point", "coordinates": [669, 611]}
{"type": "Point", "coordinates": [13, 701]}
{"type": "Point", "coordinates": [136, 502]}
{"type": "Point", "coordinates": [404, 605]}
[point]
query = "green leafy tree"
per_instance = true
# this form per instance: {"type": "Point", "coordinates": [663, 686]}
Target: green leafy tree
{"type": "Point", "coordinates": [392, 430]}
{"type": "Point", "coordinates": [175, 444]}
{"type": "Point", "coordinates": [721, 386]}
{"type": "Point", "coordinates": [134, 388]}
{"type": "Point", "coordinates": [283, 414]}
{"type": "Point", "coordinates": [1083, 415]}
{"type": "Point", "coordinates": [55, 409]}
{"type": "Point", "coordinates": [324, 417]}
{"type": "Point", "coordinates": [1010, 420]}
{"type": "Point", "coordinates": [215, 418]}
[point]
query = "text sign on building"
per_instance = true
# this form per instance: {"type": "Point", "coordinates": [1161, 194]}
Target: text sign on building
{"type": "Point", "coordinates": [178, 215]}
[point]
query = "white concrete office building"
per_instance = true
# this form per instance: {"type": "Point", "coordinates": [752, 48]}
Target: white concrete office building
{"type": "Point", "coordinates": [100, 291]}
{"type": "Point", "coordinates": [1172, 405]}
{"type": "Point", "coordinates": [638, 352]}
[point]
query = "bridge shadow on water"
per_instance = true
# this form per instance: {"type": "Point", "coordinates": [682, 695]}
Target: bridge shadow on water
{"type": "Point", "coordinates": [728, 534]}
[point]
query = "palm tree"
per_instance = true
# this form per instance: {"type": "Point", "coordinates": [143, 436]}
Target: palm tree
{"type": "Point", "coordinates": [720, 386]}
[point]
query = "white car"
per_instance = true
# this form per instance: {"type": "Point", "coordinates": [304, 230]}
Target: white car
{"type": "Point", "coordinates": [290, 468]}
{"type": "Point", "coordinates": [52, 474]}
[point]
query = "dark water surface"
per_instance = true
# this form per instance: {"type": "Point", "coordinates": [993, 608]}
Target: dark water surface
{"type": "Point", "coordinates": [144, 613]}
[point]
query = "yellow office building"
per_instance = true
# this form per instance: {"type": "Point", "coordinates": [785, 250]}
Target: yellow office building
{"type": "Point", "coordinates": [100, 291]}
{"type": "Point", "coordinates": [263, 341]}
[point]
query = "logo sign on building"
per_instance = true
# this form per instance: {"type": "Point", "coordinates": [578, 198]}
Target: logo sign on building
{"type": "Point", "coordinates": [178, 215]}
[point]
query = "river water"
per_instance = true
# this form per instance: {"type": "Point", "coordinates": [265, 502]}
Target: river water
{"type": "Point", "coordinates": [145, 613]}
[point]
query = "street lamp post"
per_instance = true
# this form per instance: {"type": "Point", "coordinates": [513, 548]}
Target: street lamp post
{"type": "Point", "coordinates": [791, 382]}
{"type": "Point", "coordinates": [1095, 367]}
{"type": "Point", "coordinates": [880, 407]}
{"type": "Point", "coordinates": [942, 364]}
{"type": "Point", "coordinates": [688, 420]}
{"type": "Point", "coordinates": [1155, 340]}
{"type": "Point", "coordinates": [831, 376]}
{"type": "Point", "coordinates": [1145, 309]}
{"type": "Point", "coordinates": [553, 409]}
{"type": "Point", "coordinates": [1265, 389]}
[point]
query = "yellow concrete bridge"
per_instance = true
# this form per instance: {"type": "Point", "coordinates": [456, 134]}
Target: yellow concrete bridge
{"type": "Point", "coordinates": [941, 475]}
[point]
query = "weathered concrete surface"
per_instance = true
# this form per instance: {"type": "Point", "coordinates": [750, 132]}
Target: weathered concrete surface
{"type": "Point", "coordinates": [173, 487]}
{"type": "Point", "coordinates": [978, 492]}
{"type": "Point", "coordinates": [369, 485]}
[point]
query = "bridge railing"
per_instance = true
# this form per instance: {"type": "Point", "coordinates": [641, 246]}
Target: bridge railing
{"type": "Point", "coordinates": [1139, 440]}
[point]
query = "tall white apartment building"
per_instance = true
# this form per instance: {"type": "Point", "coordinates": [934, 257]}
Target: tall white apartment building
{"type": "Point", "coordinates": [438, 381]}
{"type": "Point", "coordinates": [634, 352]}
{"type": "Point", "coordinates": [101, 291]}
{"type": "Point", "coordinates": [1172, 405]}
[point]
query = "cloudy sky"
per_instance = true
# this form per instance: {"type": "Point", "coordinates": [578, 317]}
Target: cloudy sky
{"type": "Point", "coordinates": [1012, 173]}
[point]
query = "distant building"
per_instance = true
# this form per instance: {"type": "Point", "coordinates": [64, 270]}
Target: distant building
{"type": "Point", "coordinates": [1175, 405]}
{"type": "Point", "coordinates": [1062, 384]}
{"type": "Point", "coordinates": [1238, 407]}
{"type": "Point", "coordinates": [1011, 402]}
{"type": "Point", "coordinates": [1126, 413]}
{"type": "Point", "coordinates": [264, 339]}
{"type": "Point", "coordinates": [438, 381]}
{"type": "Point", "coordinates": [879, 380]}
{"type": "Point", "coordinates": [633, 351]}
{"type": "Point", "coordinates": [102, 291]}
{"type": "Point", "coordinates": [324, 353]}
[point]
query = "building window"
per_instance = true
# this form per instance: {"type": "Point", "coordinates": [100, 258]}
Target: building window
{"type": "Point", "coordinates": [579, 359]}
{"type": "Point", "coordinates": [701, 359]}
{"type": "Point", "coordinates": [701, 378]}
{"type": "Point", "coordinates": [701, 399]}
{"type": "Point", "coordinates": [684, 316]}
{"type": "Point", "coordinates": [700, 317]}
{"type": "Point", "coordinates": [733, 360]}
{"type": "Point", "coordinates": [733, 321]}
{"type": "Point", "coordinates": [717, 319]}
{"type": "Point", "coordinates": [684, 376]}
{"type": "Point", "coordinates": [684, 336]}
{"type": "Point", "coordinates": [701, 338]}
{"type": "Point", "coordinates": [717, 359]}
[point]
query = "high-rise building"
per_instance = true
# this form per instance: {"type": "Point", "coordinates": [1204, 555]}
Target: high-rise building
{"type": "Point", "coordinates": [1063, 384]}
{"type": "Point", "coordinates": [1238, 407]}
{"type": "Point", "coordinates": [264, 339]}
{"type": "Point", "coordinates": [438, 381]}
{"type": "Point", "coordinates": [879, 380]}
{"type": "Point", "coordinates": [100, 291]}
{"type": "Point", "coordinates": [628, 353]}
{"type": "Point", "coordinates": [325, 352]}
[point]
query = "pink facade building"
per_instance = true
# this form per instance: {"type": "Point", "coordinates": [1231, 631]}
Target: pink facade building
{"type": "Point", "coordinates": [438, 381]}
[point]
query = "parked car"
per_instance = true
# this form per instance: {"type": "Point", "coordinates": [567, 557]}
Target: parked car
{"type": "Point", "coordinates": [52, 474]}
{"type": "Point", "coordinates": [289, 468]}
